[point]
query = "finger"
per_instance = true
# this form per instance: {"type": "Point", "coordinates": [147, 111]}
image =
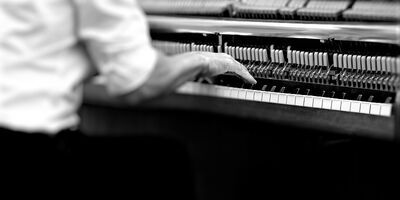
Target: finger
{"type": "Point", "coordinates": [241, 70]}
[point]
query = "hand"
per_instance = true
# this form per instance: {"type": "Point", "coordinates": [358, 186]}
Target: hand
{"type": "Point", "coordinates": [171, 72]}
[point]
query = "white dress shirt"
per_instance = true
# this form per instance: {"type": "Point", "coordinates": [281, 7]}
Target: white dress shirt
{"type": "Point", "coordinates": [43, 64]}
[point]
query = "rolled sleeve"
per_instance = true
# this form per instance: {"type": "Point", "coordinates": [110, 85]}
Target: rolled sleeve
{"type": "Point", "coordinates": [117, 38]}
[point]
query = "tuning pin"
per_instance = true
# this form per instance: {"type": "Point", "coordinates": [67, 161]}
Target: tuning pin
{"type": "Point", "coordinates": [333, 94]}
{"type": "Point", "coordinates": [343, 95]}
{"type": "Point", "coordinates": [282, 90]}
{"type": "Point", "coordinates": [371, 98]}
{"type": "Point", "coordinates": [264, 87]}
{"type": "Point", "coordinates": [273, 88]}
{"type": "Point", "coordinates": [359, 97]}
{"type": "Point", "coordinates": [297, 90]}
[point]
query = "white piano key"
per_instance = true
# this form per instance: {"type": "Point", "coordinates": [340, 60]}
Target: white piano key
{"type": "Point", "coordinates": [336, 104]}
{"type": "Point", "coordinates": [257, 96]}
{"type": "Point", "coordinates": [326, 104]}
{"type": "Point", "coordinates": [249, 95]}
{"type": "Point", "coordinates": [375, 109]}
{"type": "Point", "coordinates": [227, 92]}
{"type": "Point", "coordinates": [282, 98]}
{"type": "Point", "coordinates": [335, 62]}
{"type": "Point", "coordinates": [274, 98]}
{"type": "Point", "coordinates": [386, 110]}
{"type": "Point", "coordinates": [234, 93]}
{"type": "Point", "coordinates": [266, 97]}
{"type": "Point", "coordinates": [317, 103]}
{"type": "Point", "coordinates": [299, 100]}
{"type": "Point", "coordinates": [308, 101]}
{"type": "Point", "coordinates": [291, 99]}
{"type": "Point", "coordinates": [242, 94]}
{"type": "Point", "coordinates": [345, 105]}
{"type": "Point", "coordinates": [355, 107]}
{"type": "Point", "coordinates": [365, 108]}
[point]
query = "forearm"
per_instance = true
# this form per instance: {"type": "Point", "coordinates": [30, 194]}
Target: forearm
{"type": "Point", "coordinates": [168, 74]}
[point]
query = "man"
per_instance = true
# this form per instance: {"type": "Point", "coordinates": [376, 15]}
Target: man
{"type": "Point", "coordinates": [47, 49]}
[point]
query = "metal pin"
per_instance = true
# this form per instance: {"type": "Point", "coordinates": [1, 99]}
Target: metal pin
{"type": "Point", "coordinates": [371, 98]}
{"type": "Point", "coordinates": [273, 88]}
{"type": "Point", "coordinates": [359, 97]}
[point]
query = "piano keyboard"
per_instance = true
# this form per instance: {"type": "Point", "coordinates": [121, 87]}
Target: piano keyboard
{"type": "Point", "coordinates": [380, 109]}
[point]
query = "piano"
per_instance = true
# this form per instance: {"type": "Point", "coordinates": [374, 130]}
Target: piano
{"type": "Point", "coordinates": [326, 60]}
{"type": "Point", "coordinates": [322, 66]}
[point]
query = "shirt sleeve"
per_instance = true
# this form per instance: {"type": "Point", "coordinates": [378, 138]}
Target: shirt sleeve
{"type": "Point", "coordinates": [117, 37]}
